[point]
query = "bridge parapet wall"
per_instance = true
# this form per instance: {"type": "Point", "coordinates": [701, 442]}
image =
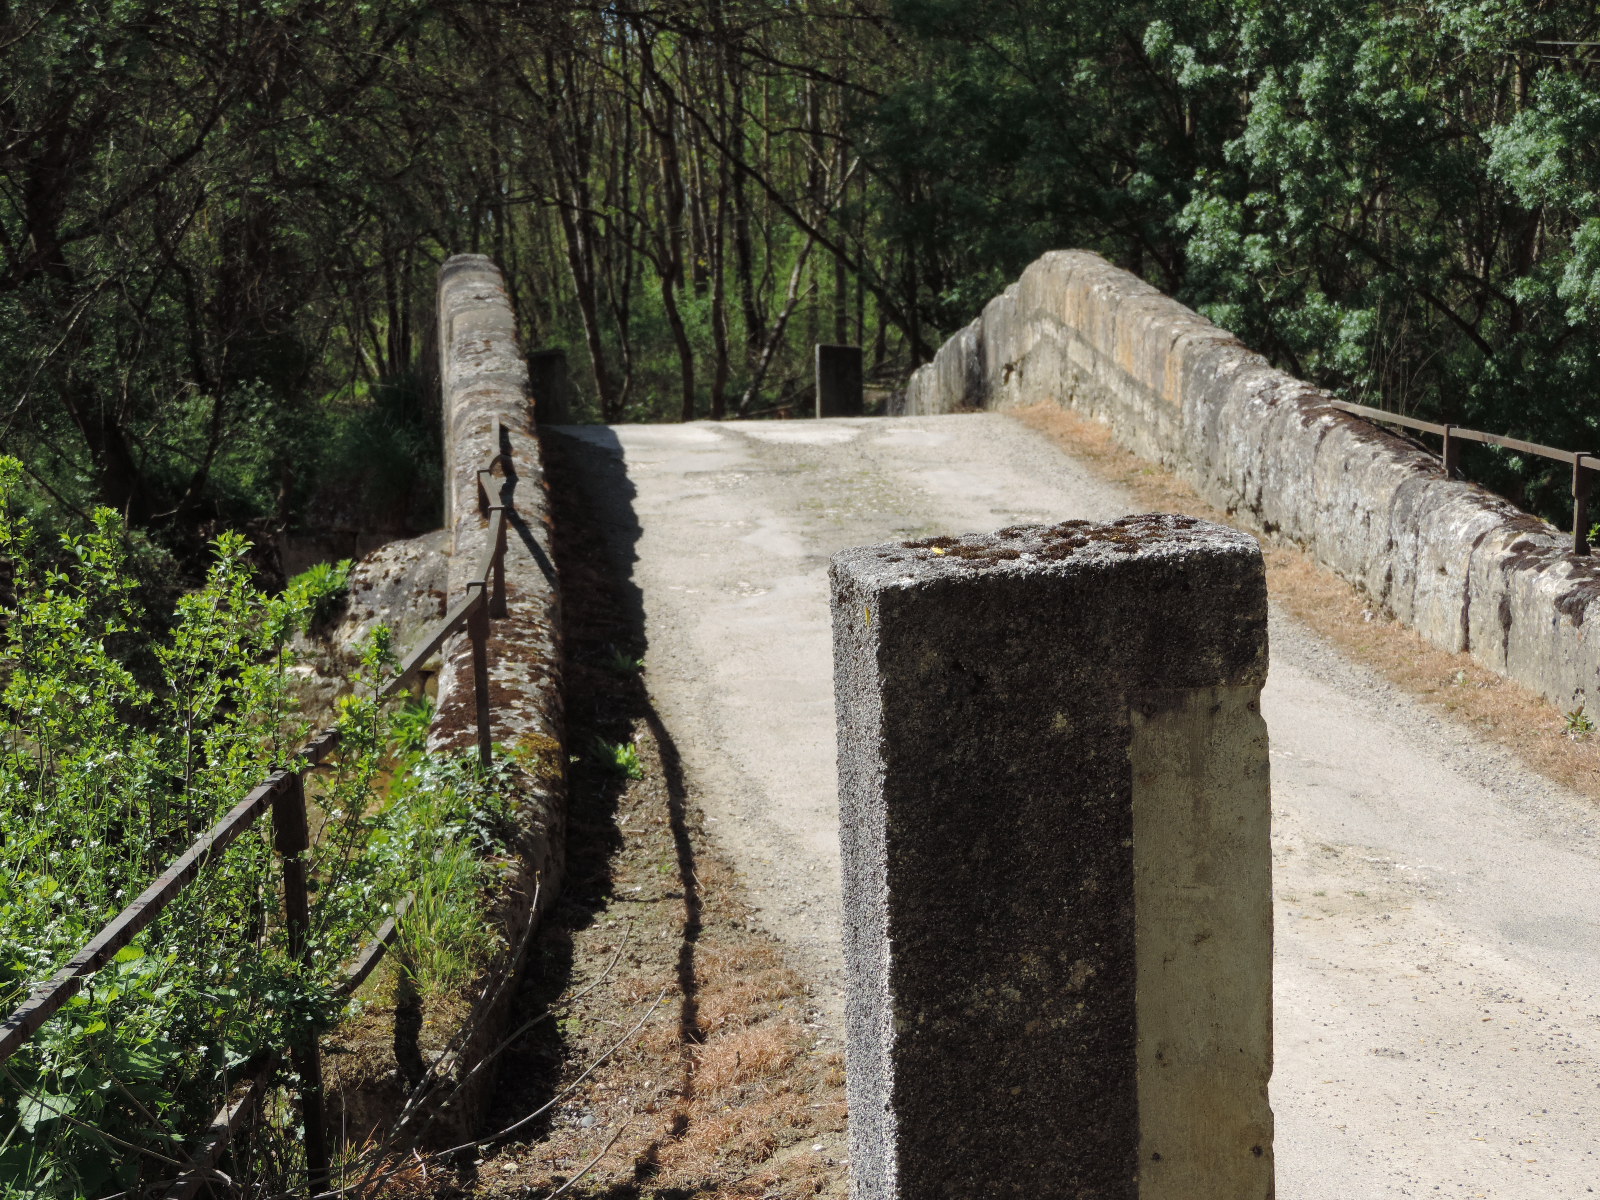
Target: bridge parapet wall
{"type": "Point", "coordinates": [488, 411]}
{"type": "Point", "coordinates": [1465, 568]}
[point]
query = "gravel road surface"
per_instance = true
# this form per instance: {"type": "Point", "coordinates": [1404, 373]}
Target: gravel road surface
{"type": "Point", "coordinates": [1437, 969]}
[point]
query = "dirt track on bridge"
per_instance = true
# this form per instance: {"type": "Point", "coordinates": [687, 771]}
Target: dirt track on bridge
{"type": "Point", "coordinates": [1437, 905]}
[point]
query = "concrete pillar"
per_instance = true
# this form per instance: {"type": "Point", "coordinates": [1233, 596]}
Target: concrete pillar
{"type": "Point", "coordinates": [1057, 874]}
{"type": "Point", "coordinates": [551, 385]}
{"type": "Point", "coordinates": [839, 391]}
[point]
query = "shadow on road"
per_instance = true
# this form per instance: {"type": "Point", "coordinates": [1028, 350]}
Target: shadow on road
{"type": "Point", "coordinates": [595, 535]}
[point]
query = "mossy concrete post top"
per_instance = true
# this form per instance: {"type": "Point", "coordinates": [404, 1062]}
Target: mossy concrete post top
{"type": "Point", "coordinates": [1054, 817]}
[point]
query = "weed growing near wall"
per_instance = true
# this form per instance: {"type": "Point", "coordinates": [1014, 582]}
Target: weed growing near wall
{"type": "Point", "coordinates": [619, 758]}
{"type": "Point", "coordinates": [319, 592]}
{"type": "Point", "coordinates": [446, 820]}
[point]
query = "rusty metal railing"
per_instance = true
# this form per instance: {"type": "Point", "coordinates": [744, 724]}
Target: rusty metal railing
{"type": "Point", "coordinates": [283, 794]}
{"type": "Point", "coordinates": [1582, 462]}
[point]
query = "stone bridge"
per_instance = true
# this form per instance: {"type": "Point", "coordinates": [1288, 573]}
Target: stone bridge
{"type": "Point", "coordinates": [1436, 962]}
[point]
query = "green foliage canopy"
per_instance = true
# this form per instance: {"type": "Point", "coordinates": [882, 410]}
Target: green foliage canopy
{"type": "Point", "coordinates": [1395, 201]}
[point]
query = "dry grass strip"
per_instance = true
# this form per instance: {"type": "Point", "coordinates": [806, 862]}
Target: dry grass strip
{"type": "Point", "coordinates": [722, 1095]}
{"type": "Point", "coordinates": [727, 1091]}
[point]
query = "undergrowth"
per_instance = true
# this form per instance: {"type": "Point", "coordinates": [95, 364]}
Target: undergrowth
{"type": "Point", "coordinates": [445, 820]}
{"type": "Point", "coordinates": [117, 747]}
{"type": "Point", "coordinates": [319, 591]}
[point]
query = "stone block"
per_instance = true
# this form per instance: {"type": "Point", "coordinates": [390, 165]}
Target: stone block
{"type": "Point", "coordinates": [1057, 877]}
{"type": "Point", "coordinates": [551, 385]}
{"type": "Point", "coordinates": [839, 382]}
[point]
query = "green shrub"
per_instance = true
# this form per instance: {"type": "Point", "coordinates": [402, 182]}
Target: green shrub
{"type": "Point", "coordinates": [319, 592]}
{"type": "Point", "coordinates": [442, 830]}
{"type": "Point", "coordinates": [117, 747]}
{"type": "Point", "coordinates": [411, 725]}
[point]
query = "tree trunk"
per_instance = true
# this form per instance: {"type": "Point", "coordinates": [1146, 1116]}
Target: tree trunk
{"type": "Point", "coordinates": [774, 338]}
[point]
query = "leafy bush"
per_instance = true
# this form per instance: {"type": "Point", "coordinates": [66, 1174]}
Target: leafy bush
{"type": "Point", "coordinates": [319, 592]}
{"type": "Point", "coordinates": [444, 826]}
{"type": "Point", "coordinates": [117, 747]}
{"type": "Point", "coordinates": [106, 773]}
{"type": "Point", "coordinates": [411, 725]}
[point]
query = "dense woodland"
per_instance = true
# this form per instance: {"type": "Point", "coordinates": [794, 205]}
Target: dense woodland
{"type": "Point", "coordinates": [219, 223]}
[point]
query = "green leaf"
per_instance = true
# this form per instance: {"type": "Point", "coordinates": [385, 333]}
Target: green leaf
{"type": "Point", "coordinates": [37, 1108]}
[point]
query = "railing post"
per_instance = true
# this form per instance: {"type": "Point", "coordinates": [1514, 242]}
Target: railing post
{"type": "Point", "coordinates": [497, 600]}
{"type": "Point", "coordinates": [1451, 454]}
{"type": "Point", "coordinates": [1581, 481]}
{"type": "Point", "coordinates": [292, 838]}
{"type": "Point", "coordinates": [478, 631]}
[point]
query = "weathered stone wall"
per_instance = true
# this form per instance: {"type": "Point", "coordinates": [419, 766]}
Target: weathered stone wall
{"type": "Point", "coordinates": [485, 386]}
{"type": "Point", "coordinates": [485, 383]}
{"type": "Point", "coordinates": [1465, 568]}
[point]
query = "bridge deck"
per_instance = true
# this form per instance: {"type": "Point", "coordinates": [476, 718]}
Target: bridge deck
{"type": "Point", "coordinates": [1437, 961]}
